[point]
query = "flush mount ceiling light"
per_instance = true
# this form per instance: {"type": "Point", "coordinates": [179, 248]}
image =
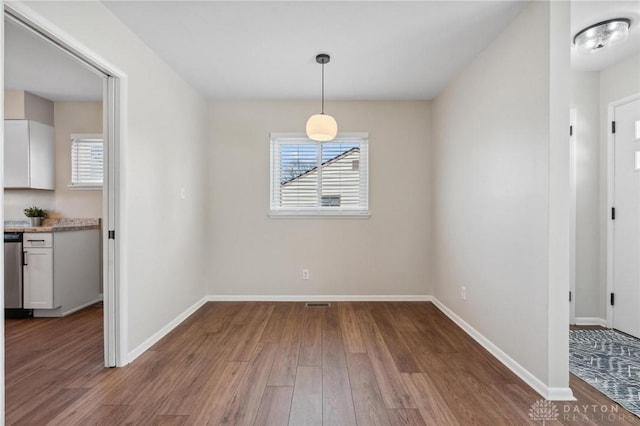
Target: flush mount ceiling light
{"type": "Point", "coordinates": [322, 127]}
{"type": "Point", "coordinates": [602, 34]}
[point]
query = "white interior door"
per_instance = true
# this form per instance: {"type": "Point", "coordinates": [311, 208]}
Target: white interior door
{"type": "Point", "coordinates": [626, 222]}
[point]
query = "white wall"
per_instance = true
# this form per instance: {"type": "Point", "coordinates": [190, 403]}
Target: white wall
{"type": "Point", "coordinates": [164, 149]}
{"type": "Point", "coordinates": [585, 90]}
{"type": "Point", "coordinates": [499, 182]}
{"type": "Point", "coordinates": [74, 118]}
{"type": "Point", "coordinates": [252, 254]}
{"type": "Point", "coordinates": [616, 82]}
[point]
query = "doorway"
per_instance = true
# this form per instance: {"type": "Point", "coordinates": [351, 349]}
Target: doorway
{"type": "Point", "coordinates": [624, 219]}
{"type": "Point", "coordinates": [114, 347]}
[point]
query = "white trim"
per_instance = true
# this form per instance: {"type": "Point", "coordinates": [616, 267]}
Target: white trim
{"type": "Point", "coordinates": [92, 136]}
{"type": "Point", "coordinates": [303, 138]}
{"type": "Point", "coordinates": [553, 394]}
{"type": "Point", "coordinates": [85, 187]}
{"type": "Point", "coordinates": [144, 346]}
{"type": "Point", "coordinates": [610, 194]}
{"type": "Point", "coordinates": [56, 313]}
{"type": "Point", "coordinates": [591, 321]}
{"type": "Point", "coordinates": [319, 298]}
{"type": "Point", "coordinates": [2, 345]}
{"type": "Point", "coordinates": [573, 122]}
{"type": "Point", "coordinates": [311, 214]}
{"type": "Point", "coordinates": [85, 305]}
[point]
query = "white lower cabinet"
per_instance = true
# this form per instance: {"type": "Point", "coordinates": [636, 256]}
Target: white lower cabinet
{"type": "Point", "coordinates": [61, 271]}
{"type": "Point", "coordinates": [38, 271]}
{"type": "Point", "coordinates": [38, 278]}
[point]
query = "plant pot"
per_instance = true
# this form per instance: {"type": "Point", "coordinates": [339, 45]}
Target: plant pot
{"type": "Point", "coordinates": [35, 221]}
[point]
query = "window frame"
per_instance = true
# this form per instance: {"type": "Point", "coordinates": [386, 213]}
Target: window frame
{"type": "Point", "coordinates": [85, 186]}
{"type": "Point", "coordinates": [361, 212]}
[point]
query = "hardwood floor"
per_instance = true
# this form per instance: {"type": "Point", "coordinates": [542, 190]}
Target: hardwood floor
{"type": "Point", "coordinates": [265, 363]}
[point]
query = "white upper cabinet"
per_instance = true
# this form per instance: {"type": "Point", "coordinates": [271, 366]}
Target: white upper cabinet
{"type": "Point", "coordinates": [29, 155]}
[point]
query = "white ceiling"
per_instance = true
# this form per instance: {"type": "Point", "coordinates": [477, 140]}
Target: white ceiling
{"type": "Point", "coordinates": [586, 13]}
{"type": "Point", "coordinates": [266, 49]}
{"type": "Point", "coordinates": [37, 66]}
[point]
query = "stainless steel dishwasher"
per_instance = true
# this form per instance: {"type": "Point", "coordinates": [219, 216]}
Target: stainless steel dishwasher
{"type": "Point", "coordinates": [13, 284]}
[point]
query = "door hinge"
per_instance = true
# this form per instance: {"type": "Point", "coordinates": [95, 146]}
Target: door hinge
{"type": "Point", "coordinates": [613, 127]}
{"type": "Point", "coordinates": [612, 299]}
{"type": "Point", "coordinates": [569, 296]}
{"type": "Point", "coordinates": [112, 234]}
{"type": "Point", "coordinates": [570, 130]}
{"type": "Point", "coordinates": [613, 213]}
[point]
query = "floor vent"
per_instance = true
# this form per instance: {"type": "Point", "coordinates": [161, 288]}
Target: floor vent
{"type": "Point", "coordinates": [318, 305]}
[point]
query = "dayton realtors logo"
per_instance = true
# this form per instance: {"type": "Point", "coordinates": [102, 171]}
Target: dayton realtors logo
{"type": "Point", "coordinates": [548, 411]}
{"type": "Point", "coordinates": [544, 411]}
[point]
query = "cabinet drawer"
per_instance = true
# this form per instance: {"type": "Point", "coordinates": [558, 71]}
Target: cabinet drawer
{"type": "Point", "coordinates": [38, 239]}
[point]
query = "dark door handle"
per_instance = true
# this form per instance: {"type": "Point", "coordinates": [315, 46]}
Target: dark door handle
{"type": "Point", "coordinates": [24, 258]}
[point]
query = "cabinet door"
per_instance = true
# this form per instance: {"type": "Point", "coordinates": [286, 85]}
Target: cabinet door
{"type": "Point", "coordinates": [38, 278]}
{"type": "Point", "coordinates": [16, 154]}
{"type": "Point", "coordinates": [41, 156]}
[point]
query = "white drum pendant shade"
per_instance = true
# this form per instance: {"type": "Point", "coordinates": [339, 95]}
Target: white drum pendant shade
{"type": "Point", "coordinates": [322, 127]}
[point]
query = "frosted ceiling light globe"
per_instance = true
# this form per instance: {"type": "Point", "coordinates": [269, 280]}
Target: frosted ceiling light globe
{"type": "Point", "coordinates": [601, 35]}
{"type": "Point", "coordinates": [322, 127]}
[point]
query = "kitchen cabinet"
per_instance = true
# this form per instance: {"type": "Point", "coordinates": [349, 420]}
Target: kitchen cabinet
{"type": "Point", "coordinates": [29, 155]}
{"type": "Point", "coordinates": [61, 271]}
{"type": "Point", "coordinates": [38, 271]}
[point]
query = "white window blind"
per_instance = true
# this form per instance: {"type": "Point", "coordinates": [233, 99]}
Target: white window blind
{"type": "Point", "coordinates": [319, 178]}
{"type": "Point", "coordinates": [87, 159]}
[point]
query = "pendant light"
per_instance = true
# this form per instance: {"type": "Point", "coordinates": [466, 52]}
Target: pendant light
{"type": "Point", "coordinates": [602, 34]}
{"type": "Point", "coordinates": [322, 127]}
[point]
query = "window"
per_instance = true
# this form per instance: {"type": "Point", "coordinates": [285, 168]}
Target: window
{"type": "Point", "coordinates": [86, 161]}
{"type": "Point", "coordinates": [319, 178]}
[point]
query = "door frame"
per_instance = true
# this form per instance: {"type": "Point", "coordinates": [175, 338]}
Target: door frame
{"type": "Point", "coordinates": [572, 213]}
{"type": "Point", "coordinates": [115, 124]}
{"type": "Point", "coordinates": [610, 194]}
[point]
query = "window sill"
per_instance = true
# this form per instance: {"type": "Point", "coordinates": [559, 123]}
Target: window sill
{"type": "Point", "coordinates": [315, 214]}
{"type": "Point", "coordinates": [85, 187]}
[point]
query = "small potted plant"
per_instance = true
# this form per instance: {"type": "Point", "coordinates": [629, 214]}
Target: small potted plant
{"type": "Point", "coordinates": [35, 214]}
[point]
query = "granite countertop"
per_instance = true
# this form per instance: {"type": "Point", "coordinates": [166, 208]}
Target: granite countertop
{"type": "Point", "coordinates": [58, 225]}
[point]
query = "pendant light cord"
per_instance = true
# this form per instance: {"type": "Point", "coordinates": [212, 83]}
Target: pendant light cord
{"type": "Point", "coordinates": [322, 88]}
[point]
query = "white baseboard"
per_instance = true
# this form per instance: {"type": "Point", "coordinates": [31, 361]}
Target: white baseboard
{"type": "Point", "coordinates": [77, 308]}
{"type": "Point", "coordinates": [57, 313]}
{"type": "Point", "coordinates": [553, 394]}
{"type": "Point", "coordinates": [319, 298]}
{"type": "Point", "coordinates": [591, 321]}
{"type": "Point", "coordinates": [144, 346]}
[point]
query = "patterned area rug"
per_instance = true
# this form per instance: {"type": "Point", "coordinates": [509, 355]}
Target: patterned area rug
{"type": "Point", "coordinates": [610, 362]}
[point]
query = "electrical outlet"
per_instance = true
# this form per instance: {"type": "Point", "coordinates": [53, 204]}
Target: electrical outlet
{"type": "Point", "coordinates": [463, 293]}
{"type": "Point", "coordinates": [183, 193]}
{"type": "Point", "coordinates": [305, 274]}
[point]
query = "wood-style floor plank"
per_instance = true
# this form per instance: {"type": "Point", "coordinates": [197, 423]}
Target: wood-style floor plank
{"type": "Point", "coordinates": [353, 341]}
{"type": "Point", "coordinates": [268, 363]}
{"type": "Point", "coordinates": [243, 406]}
{"type": "Point", "coordinates": [283, 372]}
{"type": "Point", "coordinates": [392, 387]}
{"type": "Point", "coordinates": [431, 404]}
{"type": "Point", "coordinates": [406, 417]}
{"type": "Point", "coordinates": [367, 399]}
{"type": "Point", "coordinates": [311, 340]}
{"type": "Point", "coordinates": [306, 407]}
{"type": "Point", "coordinates": [336, 390]}
{"type": "Point", "coordinates": [275, 406]}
